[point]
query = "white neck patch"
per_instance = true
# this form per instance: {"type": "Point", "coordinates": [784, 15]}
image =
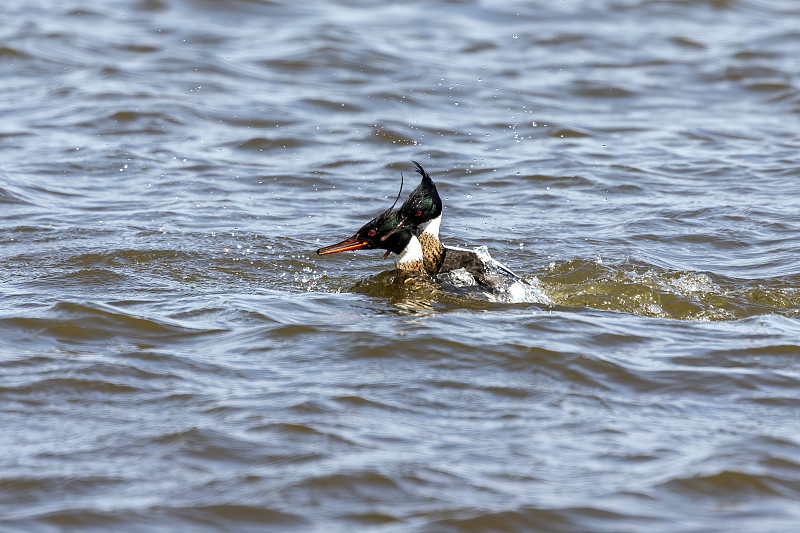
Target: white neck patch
{"type": "Point", "coordinates": [432, 226]}
{"type": "Point", "coordinates": [411, 253]}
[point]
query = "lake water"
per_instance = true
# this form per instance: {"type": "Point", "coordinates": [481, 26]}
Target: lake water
{"type": "Point", "coordinates": [175, 357]}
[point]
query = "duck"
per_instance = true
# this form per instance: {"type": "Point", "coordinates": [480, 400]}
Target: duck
{"type": "Point", "coordinates": [384, 232]}
{"type": "Point", "coordinates": [412, 233]}
{"type": "Point", "coordinates": [422, 211]}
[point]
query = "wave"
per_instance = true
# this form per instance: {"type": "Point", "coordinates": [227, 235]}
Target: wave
{"type": "Point", "coordinates": [630, 287]}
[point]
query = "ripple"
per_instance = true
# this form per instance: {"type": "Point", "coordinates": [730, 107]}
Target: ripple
{"type": "Point", "coordinates": [90, 322]}
{"type": "Point", "coordinates": [10, 197]}
{"type": "Point", "coordinates": [204, 516]}
{"type": "Point", "coordinates": [260, 144]}
{"type": "Point", "coordinates": [8, 53]}
{"type": "Point", "coordinates": [69, 385]}
{"type": "Point", "coordinates": [731, 485]}
{"type": "Point", "coordinates": [651, 291]}
{"type": "Point", "coordinates": [175, 357]}
{"type": "Point", "coordinates": [566, 519]}
{"type": "Point", "coordinates": [232, 514]}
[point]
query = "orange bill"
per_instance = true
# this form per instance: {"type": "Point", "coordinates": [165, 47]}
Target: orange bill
{"type": "Point", "coordinates": [349, 244]}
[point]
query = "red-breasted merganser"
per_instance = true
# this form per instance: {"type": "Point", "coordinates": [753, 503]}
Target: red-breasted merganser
{"type": "Point", "coordinates": [412, 233]}
{"type": "Point", "coordinates": [385, 233]}
{"type": "Point", "coordinates": [422, 211]}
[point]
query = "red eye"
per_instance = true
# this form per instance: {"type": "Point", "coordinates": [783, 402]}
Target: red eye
{"type": "Point", "coordinates": [419, 213]}
{"type": "Point", "coordinates": [371, 233]}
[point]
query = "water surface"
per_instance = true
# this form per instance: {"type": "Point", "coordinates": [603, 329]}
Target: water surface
{"type": "Point", "coordinates": [175, 357]}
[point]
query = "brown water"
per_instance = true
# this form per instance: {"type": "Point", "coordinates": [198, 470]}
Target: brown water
{"type": "Point", "coordinates": [175, 357]}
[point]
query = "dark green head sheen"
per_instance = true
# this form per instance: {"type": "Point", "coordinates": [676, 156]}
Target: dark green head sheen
{"type": "Point", "coordinates": [423, 204]}
{"type": "Point", "coordinates": [387, 223]}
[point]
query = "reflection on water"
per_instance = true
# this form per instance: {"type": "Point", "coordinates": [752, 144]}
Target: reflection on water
{"type": "Point", "coordinates": [175, 357]}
